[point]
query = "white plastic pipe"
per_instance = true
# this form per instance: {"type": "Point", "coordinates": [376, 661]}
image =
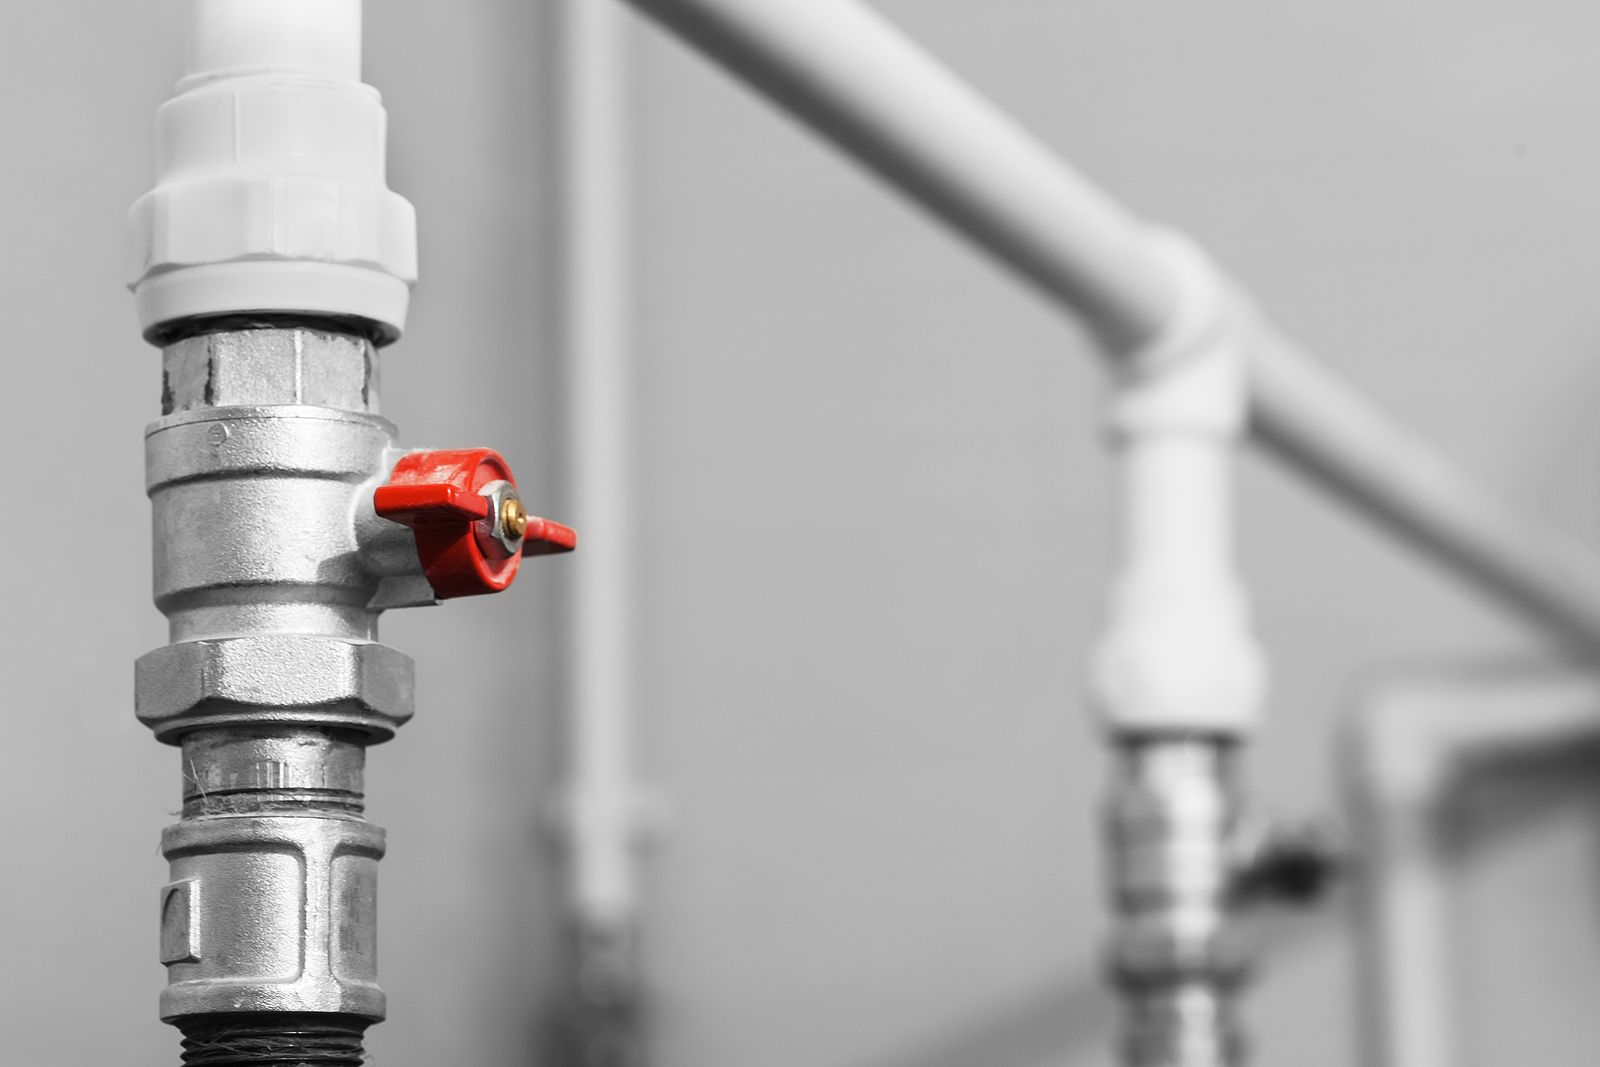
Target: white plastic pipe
{"type": "Point", "coordinates": [600, 799]}
{"type": "Point", "coordinates": [853, 77]}
{"type": "Point", "coordinates": [1418, 738]}
{"type": "Point", "coordinates": [1177, 514]}
{"type": "Point", "coordinates": [321, 38]}
{"type": "Point", "coordinates": [1178, 657]}
{"type": "Point", "coordinates": [856, 80]}
{"type": "Point", "coordinates": [1323, 428]}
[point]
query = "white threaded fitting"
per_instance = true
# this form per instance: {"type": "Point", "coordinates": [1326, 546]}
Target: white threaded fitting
{"type": "Point", "coordinates": [271, 194]}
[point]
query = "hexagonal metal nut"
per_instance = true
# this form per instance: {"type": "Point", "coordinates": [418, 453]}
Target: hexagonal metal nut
{"type": "Point", "coordinates": [287, 679]}
{"type": "Point", "coordinates": [256, 367]}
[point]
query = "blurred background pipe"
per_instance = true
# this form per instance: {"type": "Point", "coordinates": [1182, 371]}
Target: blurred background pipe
{"type": "Point", "coordinates": [599, 804]}
{"type": "Point", "coordinates": [1180, 683]}
{"type": "Point", "coordinates": [857, 81]}
{"type": "Point", "coordinates": [1418, 741]}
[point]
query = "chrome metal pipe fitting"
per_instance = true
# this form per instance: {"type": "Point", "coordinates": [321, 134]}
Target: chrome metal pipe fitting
{"type": "Point", "coordinates": [1175, 956]}
{"type": "Point", "coordinates": [273, 560]}
{"type": "Point", "coordinates": [260, 473]}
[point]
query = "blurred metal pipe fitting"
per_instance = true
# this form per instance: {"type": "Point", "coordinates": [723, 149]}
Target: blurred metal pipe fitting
{"type": "Point", "coordinates": [1185, 861]}
{"type": "Point", "coordinates": [1176, 957]}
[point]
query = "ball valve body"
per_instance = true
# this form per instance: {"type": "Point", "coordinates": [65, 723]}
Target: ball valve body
{"type": "Point", "coordinates": [275, 556]}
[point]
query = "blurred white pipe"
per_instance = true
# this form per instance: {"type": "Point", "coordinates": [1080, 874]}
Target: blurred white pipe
{"type": "Point", "coordinates": [1179, 680]}
{"type": "Point", "coordinates": [1417, 740]}
{"type": "Point", "coordinates": [1323, 428]}
{"type": "Point", "coordinates": [600, 801]}
{"type": "Point", "coordinates": [1177, 657]}
{"type": "Point", "coordinates": [848, 73]}
{"type": "Point", "coordinates": [854, 78]}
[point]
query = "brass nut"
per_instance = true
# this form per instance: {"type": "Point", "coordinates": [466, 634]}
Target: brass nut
{"type": "Point", "coordinates": [513, 518]}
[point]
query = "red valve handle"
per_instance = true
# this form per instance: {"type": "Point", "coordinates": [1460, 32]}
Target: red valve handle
{"type": "Point", "coordinates": [464, 546]}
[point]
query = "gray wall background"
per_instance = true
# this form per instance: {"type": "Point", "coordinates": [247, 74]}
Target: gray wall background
{"type": "Point", "coordinates": [868, 721]}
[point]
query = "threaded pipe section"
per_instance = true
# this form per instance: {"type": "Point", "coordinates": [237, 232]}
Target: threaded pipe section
{"type": "Point", "coordinates": [277, 1040]}
{"type": "Point", "coordinates": [239, 770]}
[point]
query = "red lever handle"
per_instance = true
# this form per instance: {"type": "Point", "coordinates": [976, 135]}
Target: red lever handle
{"type": "Point", "coordinates": [468, 522]}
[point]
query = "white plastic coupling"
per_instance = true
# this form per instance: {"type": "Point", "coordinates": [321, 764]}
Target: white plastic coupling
{"type": "Point", "coordinates": [1178, 655]}
{"type": "Point", "coordinates": [1191, 377]}
{"type": "Point", "coordinates": [271, 195]}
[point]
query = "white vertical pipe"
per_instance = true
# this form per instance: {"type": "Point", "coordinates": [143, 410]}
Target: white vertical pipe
{"type": "Point", "coordinates": [597, 314]}
{"type": "Point", "coordinates": [321, 38]}
{"type": "Point", "coordinates": [1178, 507]}
{"type": "Point", "coordinates": [1407, 945]}
{"type": "Point", "coordinates": [1418, 739]}
{"type": "Point", "coordinates": [1178, 655]}
{"type": "Point", "coordinates": [1400, 775]}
